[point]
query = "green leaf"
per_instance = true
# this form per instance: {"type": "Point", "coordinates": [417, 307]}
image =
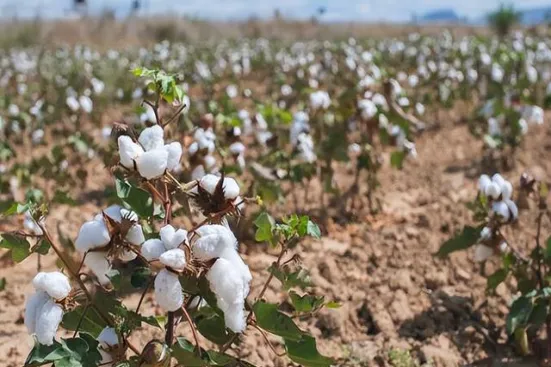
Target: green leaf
{"type": "Point", "coordinates": [89, 319]}
{"type": "Point", "coordinates": [264, 224]}
{"type": "Point", "coordinates": [539, 313]}
{"type": "Point", "coordinates": [269, 318]}
{"type": "Point", "coordinates": [306, 303]}
{"type": "Point", "coordinates": [185, 354]}
{"type": "Point", "coordinates": [19, 246]}
{"type": "Point", "coordinates": [496, 279]}
{"type": "Point", "coordinates": [291, 278]}
{"type": "Point", "coordinates": [397, 159]}
{"type": "Point", "coordinates": [42, 247]}
{"type": "Point", "coordinates": [214, 329]}
{"type": "Point", "coordinates": [548, 248]}
{"type": "Point", "coordinates": [139, 200]}
{"type": "Point", "coordinates": [2, 284]}
{"type": "Point", "coordinates": [519, 314]}
{"type": "Point", "coordinates": [62, 197]}
{"type": "Point", "coordinates": [305, 352]}
{"type": "Point", "coordinates": [462, 241]}
{"type": "Point", "coordinates": [333, 305]}
{"type": "Point", "coordinates": [10, 208]}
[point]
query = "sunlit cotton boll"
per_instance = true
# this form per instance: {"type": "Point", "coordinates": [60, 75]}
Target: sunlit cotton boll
{"type": "Point", "coordinates": [230, 186]}
{"type": "Point", "coordinates": [152, 249]}
{"type": "Point", "coordinates": [86, 104]}
{"type": "Point", "coordinates": [168, 291]}
{"type": "Point", "coordinates": [97, 262]}
{"type": "Point", "coordinates": [152, 138]}
{"type": "Point", "coordinates": [497, 73]}
{"type": "Point", "coordinates": [152, 163]}
{"type": "Point", "coordinates": [48, 319]}
{"type": "Point", "coordinates": [72, 103]}
{"type": "Point", "coordinates": [213, 240]}
{"type": "Point", "coordinates": [56, 284]}
{"type": "Point", "coordinates": [175, 259]}
{"type": "Point", "coordinates": [501, 210]}
{"type": "Point", "coordinates": [174, 151]}
{"type": "Point", "coordinates": [320, 100]}
{"type": "Point", "coordinates": [171, 237]}
{"type": "Point", "coordinates": [107, 340]}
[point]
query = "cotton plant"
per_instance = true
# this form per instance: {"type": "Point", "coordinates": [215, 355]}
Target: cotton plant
{"type": "Point", "coordinates": [495, 212]}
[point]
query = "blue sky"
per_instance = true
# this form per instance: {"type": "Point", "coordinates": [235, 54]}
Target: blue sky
{"type": "Point", "coordinates": [336, 10]}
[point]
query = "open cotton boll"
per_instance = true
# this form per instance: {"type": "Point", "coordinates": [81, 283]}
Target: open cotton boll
{"type": "Point", "coordinates": [171, 237]}
{"type": "Point", "coordinates": [493, 190]}
{"type": "Point", "coordinates": [92, 234]}
{"type": "Point", "coordinates": [152, 249]}
{"type": "Point", "coordinates": [226, 282]}
{"type": "Point", "coordinates": [108, 337]}
{"type": "Point", "coordinates": [47, 322]}
{"type": "Point", "coordinates": [506, 189]}
{"type": "Point", "coordinates": [128, 151]}
{"type": "Point", "coordinates": [234, 318]}
{"type": "Point", "coordinates": [237, 148]}
{"type": "Point", "coordinates": [152, 163]}
{"type": "Point", "coordinates": [99, 265]}
{"type": "Point", "coordinates": [482, 252]}
{"type": "Point", "coordinates": [513, 209]}
{"type": "Point", "coordinates": [135, 235]}
{"type": "Point", "coordinates": [127, 255]}
{"type": "Point", "coordinates": [174, 150]}
{"type": "Point", "coordinates": [168, 291]}
{"type": "Point", "coordinates": [175, 259]}
{"type": "Point", "coordinates": [113, 212]}
{"type": "Point", "coordinates": [209, 183]}
{"type": "Point", "coordinates": [486, 233]}
{"type": "Point", "coordinates": [213, 239]}
{"type": "Point", "coordinates": [152, 138]}
{"type": "Point", "coordinates": [56, 284]}
{"type": "Point", "coordinates": [235, 259]}
{"type": "Point", "coordinates": [231, 188]}
{"type": "Point", "coordinates": [32, 308]}
{"type": "Point", "coordinates": [501, 209]}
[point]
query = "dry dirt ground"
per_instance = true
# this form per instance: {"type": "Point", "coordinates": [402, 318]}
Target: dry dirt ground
{"type": "Point", "coordinates": [395, 295]}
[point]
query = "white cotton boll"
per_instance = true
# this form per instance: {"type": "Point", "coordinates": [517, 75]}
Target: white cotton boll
{"type": "Point", "coordinates": [501, 209]}
{"type": "Point", "coordinates": [513, 209]}
{"type": "Point", "coordinates": [171, 237]}
{"type": "Point", "coordinates": [483, 183]}
{"type": "Point", "coordinates": [226, 282]}
{"type": "Point", "coordinates": [72, 103]}
{"type": "Point", "coordinates": [198, 172]}
{"type": "Point", "coordinates": [233, 256]}
{"type": "Point", "coordinates": [99, 265]}
{"type": "Point", "coordinates": [237, 148]}
{"type": "Point", "coordinates": [209, 183]}
{"type": "Point", "coordinates": [113, 212]}
{"type": "Point", "coordinates": [152, 249]}
{"type": "Point", "coordinates": [506, 189]}
{"type": "Point", "coordinates": [56, 284]}
{"type": "Point", "coordinates": [482, 253]}
{"type": "Point", "coordinates": [493, 190]}
{"type": "Point", "coordinates": [486, 234]}
{"type": "Point", "coordinates": [168, 291]}
{"type": "Point", "coordinates": [420, 109]}
{"type": "Point", "coordinates": [231, 188]}
{"type": "Point", "coordinates": [128, 151]}
{"type": "Point", "coordinates": [213, 239]}
{"type": "Point", "coordinates": [175, 259]}
{"type": "Point", "coordinates": [108, 338]}
{"type": "Point", "coordinates": [153, 163]}
{"type": "Point", "coordinates": [47, 322]}
{"type": "Point", "coordinates": [92, 234]}
{"type": "Point", "coordinates": [193, 148]}
{"type": "Point", "coordinates": [523, 125]}
{"type": "Point", "coordinates": [152, 138]}
{"type": "Point", "coordinates": [135, 235]}
{"type": "Point", "coordinates": [86, 104]}
{"type": "Point", "coordinates": [30, 224]}
{"type": "Point", "coordinates": [503, 246]}
{"type": "Point", "coordinates": [174, 150]}
{"type": "Point", "coordinates": [234, 318]}
{"type": "Point", "coordinates": [32, 308]}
